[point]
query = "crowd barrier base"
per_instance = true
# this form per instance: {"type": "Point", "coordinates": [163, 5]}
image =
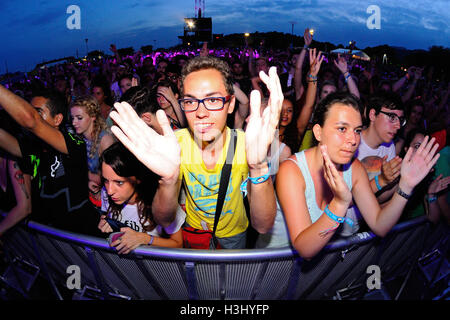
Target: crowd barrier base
{"type": "Point", "coordinates": [351, 269]}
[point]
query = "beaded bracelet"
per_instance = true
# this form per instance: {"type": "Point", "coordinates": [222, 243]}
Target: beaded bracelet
{"type": "Point", "coordinates": [256, 180]}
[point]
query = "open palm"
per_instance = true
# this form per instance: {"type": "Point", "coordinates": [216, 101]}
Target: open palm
{"type": "Point", "coordinates": [160, 153]}
{"type": "Point", "coordinates": [261, 129]}
{"type": "Point", "coordinates": [415, 167]}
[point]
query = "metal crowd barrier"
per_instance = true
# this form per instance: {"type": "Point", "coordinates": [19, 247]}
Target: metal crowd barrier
{"type": "Point", "coordinates": [339, 271]}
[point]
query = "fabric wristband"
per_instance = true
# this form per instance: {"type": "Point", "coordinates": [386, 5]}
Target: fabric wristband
{"type": "Point", "coordinates": [256, 180]}
{"type": "Point", "coordinates": [348, 76]}
{"type": "Point", "coordinates": [431, 198]}
{"type": "Point", "coordinates": [338, 219]}
{"type": "Point", "coordinates": [151, 240]}
{"type": "Point", "coordinates": [377, 182]}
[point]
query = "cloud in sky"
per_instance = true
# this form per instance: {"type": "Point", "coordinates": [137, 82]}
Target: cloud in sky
{"type": "Point", "coordinates": [36, 30]}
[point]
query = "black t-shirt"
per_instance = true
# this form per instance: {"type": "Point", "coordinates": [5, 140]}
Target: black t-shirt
{"type": "Point", "coordinates": [61, 181]}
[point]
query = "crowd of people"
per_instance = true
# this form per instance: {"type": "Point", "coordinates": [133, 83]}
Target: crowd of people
{"type": "Point", "coordinates": [324, 147]}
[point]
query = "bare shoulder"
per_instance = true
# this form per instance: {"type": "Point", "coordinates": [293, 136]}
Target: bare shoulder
{"type": "Point", "coordinates": [289, 173]}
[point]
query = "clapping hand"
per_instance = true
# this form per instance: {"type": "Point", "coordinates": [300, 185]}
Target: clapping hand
{"type": "Point", "coordinates": [415, 167]}
{"type": "Point", "coordinates": [439, 184]}
{"type": "Point", "coordinates": [261, 129]}
{"type": "Point", "coordinates": [390, 170]}
{"type": "Point", "coordinates": [334, 179]}
{"type": "Point", "coordinates": [160, 153]}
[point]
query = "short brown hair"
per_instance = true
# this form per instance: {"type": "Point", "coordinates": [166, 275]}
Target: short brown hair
{"type": "Point", "coordinates": [208, 62]}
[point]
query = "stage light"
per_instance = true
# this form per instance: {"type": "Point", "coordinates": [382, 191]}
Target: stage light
{"type": "Point", "coordinates": [311, 31]}
{"type": "Point", "coordinates": [247, 34]}
{"type": "Point", "coordinates": [190, 24]}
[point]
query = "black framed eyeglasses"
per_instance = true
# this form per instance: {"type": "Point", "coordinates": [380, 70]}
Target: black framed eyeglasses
{"type": "Point", "coordinates": [210, 103]}
{"type": "Point", "coordinates": [393, 117]}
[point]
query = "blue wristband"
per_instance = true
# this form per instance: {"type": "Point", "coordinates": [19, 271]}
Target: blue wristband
{"type": "Point", "coordinates": [256, 180]}
{"type": "Point", "coordinates": [377, 182]}
{"type": "Point", "coordinates": [431, 198]}
{"type": "Point", "coordinates": [338, 219]}
{"type": "Point", "coordinates": [348, 76]}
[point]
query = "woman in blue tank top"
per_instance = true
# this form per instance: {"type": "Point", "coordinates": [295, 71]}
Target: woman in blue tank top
{"type": "Point", "coordinates": [316, 187]}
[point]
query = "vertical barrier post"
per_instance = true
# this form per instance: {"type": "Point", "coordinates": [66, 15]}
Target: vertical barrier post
{"type": "Point", "coordinates": [191, 280]}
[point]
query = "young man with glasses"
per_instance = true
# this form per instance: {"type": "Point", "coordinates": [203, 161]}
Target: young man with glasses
{"type": "Point", "coordinates": [385, 114]}
{"type": "Point", "coordinates": [192, 158]}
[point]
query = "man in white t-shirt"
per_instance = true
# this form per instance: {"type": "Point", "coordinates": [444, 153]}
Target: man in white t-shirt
{"type": "Point", "coordinates": [376, 151]}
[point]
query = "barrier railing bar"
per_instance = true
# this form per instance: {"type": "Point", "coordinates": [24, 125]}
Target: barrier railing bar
{"type": "Point", "coordinates": [318, 279]}
{"type": "Point", "coordinates": [151, 280]}
{"type": "Point", "coordinates": [414, 264]}
{"type": "Point", "coordinates": [294, 277]}
{"type": "Point", "coordinates": [22, 288]}
{"type": "Point", "coordinates": [191, 280]}
{"type": "Point", "coordinates": [351, 267]}
{"type": "Point", "coordinates": [122, 276]}
{"type": "Point", "coordinates": [401, 246]}
{"type": "Point", "coordinates": [44, 267]}
{"type": "Point", "coordinates": [97, 274]}
{"type": "Point", "coordinates": [222, 280]}
{"type": "Point", "coordinates": [259, 279]}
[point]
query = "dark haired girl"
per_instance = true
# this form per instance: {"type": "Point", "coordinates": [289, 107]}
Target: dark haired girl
{"type": "Point", "coordinates": [127, 197]}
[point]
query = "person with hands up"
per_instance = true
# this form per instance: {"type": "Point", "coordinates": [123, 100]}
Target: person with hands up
{"type": "Point", "coordinates": [317, 186]}
{"type": "Point", "coordinates": [341, 64]}
{"type": "Point", "coordinates": [127, 197]}
{"type": "Point", "coordinates": [192, 158]}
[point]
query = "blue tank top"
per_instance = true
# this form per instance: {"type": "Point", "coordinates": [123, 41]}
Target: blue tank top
{"type": "Point", "coordinates": [310, 193]}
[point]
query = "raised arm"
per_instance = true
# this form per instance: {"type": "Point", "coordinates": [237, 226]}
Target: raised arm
{"type": "Point", "coordinates": [259, 135]}
{"type": "Point", "coordinates": [243, 109]}
{"type": "Point", "coordinates": [27, 116]}
{"type": "Point", "coordinates": [414, 168]}
{"type": "Point", "coordinates": [9, 144]}
{"type": "Point", "coordinates": [170, 96]}
{"type": "Point", "coordinates": [412, 87]}
{"type": "Point", "coordinates": [159, 153]}
{"type": "Point", "coordinates": [22, 185]}
{"type": "Point", "coordinates": [298, 84]}
{"type": "Point", "coordinates": [315, 62]}
{"type": "Point", "coordinates": [341, 64]}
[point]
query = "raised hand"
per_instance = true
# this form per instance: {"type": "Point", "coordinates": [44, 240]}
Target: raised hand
{"type": "Point", "coordinates": [334, 179]}
{"type": "Point", "coordinates": [390, 170]}
{"type": "Point", "coordinates": [204, 52]}
{"type": "Point", "coordinates": [439, 184]}
{"type": "Point", "coordinates": [415, 167]}
{"type": "Point", "coordinates": [167, 93]}
{"type": "Point", "coordinates": [307, 37]}
{"type": "Point", "coordinates": [261, 129]}
{"type": "Point", "coordinates": [315, 61]}
{"type": "Point", "coordinates": [160, 153]}
{"type": "Point", "coordinates": [418, 73]}
{"type": "Point", "coordinates": [341, 63]}
{"type": "Point", "coordinates": [113, 48]}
